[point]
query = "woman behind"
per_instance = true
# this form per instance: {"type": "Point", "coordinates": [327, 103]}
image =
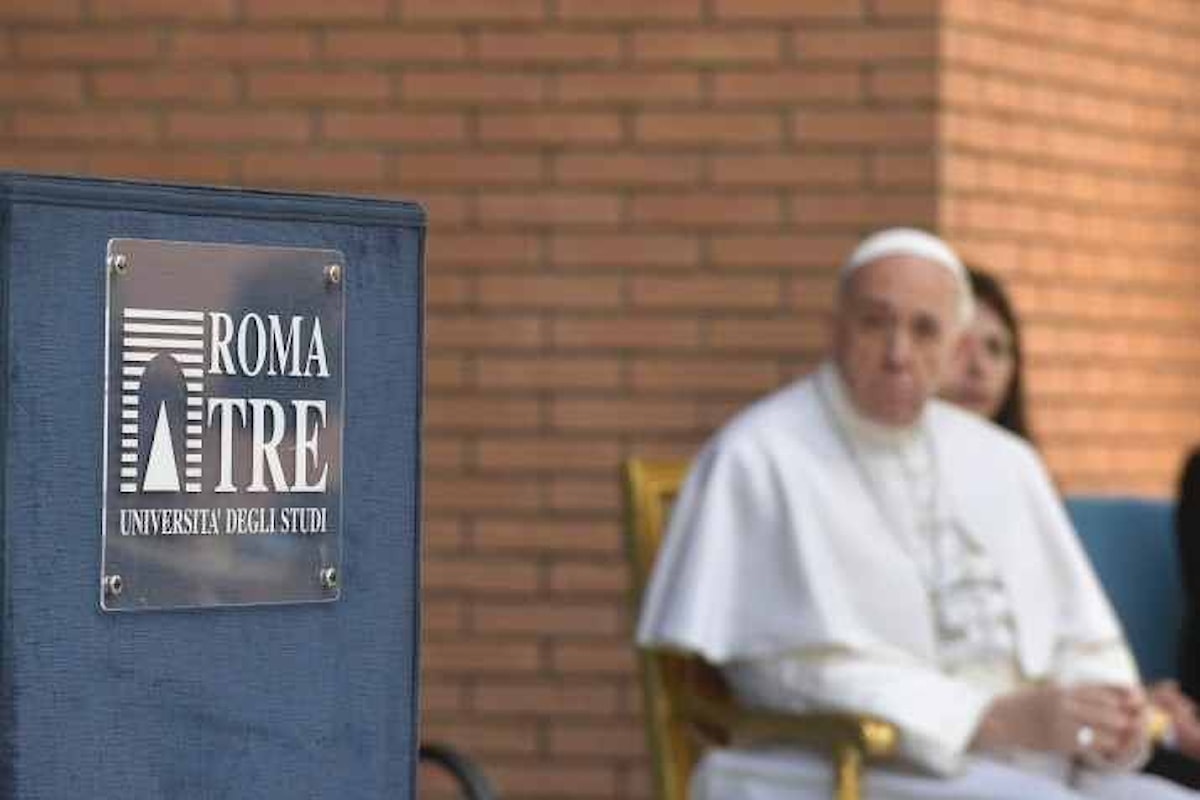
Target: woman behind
{"type": "Point", "coordinates": [988, 378]}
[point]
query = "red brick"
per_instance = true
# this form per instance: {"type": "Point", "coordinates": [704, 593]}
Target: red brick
{"type": "Point", "coordinates": [706, 374]}
{"type": "Point", "coordinates": [480, 413]}
{"type": "Point", "coordinates": [445, 372]}
{"type": "Point", "coordinates": [466, 12]}
{"type": "Point", "coordinates": [788, 170]}
{"type": "Point", "coordinates": [169, 165]}
{"type": "Point", "coordinates": [437, 698]}
{"type": "Point", "coordinates": [548, 47]}
{"type": "Point", "coordinates": [442, 535]}
{"type": "Point", "coordinates": [555, 535]}
{"type": "Point", "coordinates": [634, 333]}
{"type": "Point", "coordinates": [919, 83]}
{"type": "Point", "coordinates": [512, 454]}
{"type": "Point", "coordinates": [40, 87]}
{"type": "Point", "coordinates": [701, 293]}
{"type": "Point", "coordinates": [440, 616]}
{"type": "Point", "coordinates": [386, 127]}
{"type": "Point", "coordinates": [240, 127]}
{"type": "Point", "coordinates": [170, 86]}
{"type": "Point", "coordinates": [576, 699]}
{"type": "Point", "coordinates": [796, 334]}
{"type": "Point", "coordinates": [789, 86]}
{"type": "Point", "coordinates": [706, 209]}
{"type": "Point", "coordinates": [443, 453]}
{"type": "Point", "coordinates": [708, 47]}
{"type": "Point", "coordinates": [42, 11]}
{"type": "Point", "coordinates": [888, 127]}
{"type": "Point", "coordinates": [576, 578]}
{"type": "Point", "coordinates": [316, 10]}
{"type": "Point", "coordinates": [708, 129]}
{"type": "Point", "coordinates": [462, 87]}
{"type": "Point", "coordinates": [479, 657]}
{"type": "Point", "coordinates": [618, 415]}
{"type": "Point", "coordinates": [591, 739]}
{"type": "Point", "coordinates": [812, 293]}
{"type": "Point", "coordinates": [906, 9]}
{"type": "Point", "coordinates": [241, 46]}
{"type": "Point", "coordinates": [444, 210]}
{"type": "Point", "coordinates": [84, 47]}
{"type": "Point", "coordinates": [164, 11]}
{"type": "Point", "coordinates": [314, 169]}
{"type": "Point", "coordinates": [543, 208]}
{"type": "Point", "coordinates": [871, 45]}
{"type": "Point", "coordinates": [549, 292]}
{"type": "Point", "coordinates": [468, 169]}
{"type": "Point", "coordinates": [85, 126]}
{"type": "Point", "coordinates": [875, 210]}
{"type": "Point", "coordinates": [326, 87]}
{"type": "Point", "coordinates": [743, 251]}
{"type": "Point", "coordinates": [543, 780]}
{"type": "Point", "coordinates": [394, 46]}
{"type": "Point", "coordinates": [585, 495]}
{"type": "Point", "coordinates": [550, 128]}
{"type": "Point", "coordinates": [448, 493]}
{"type": "Point", "coordinates": [624, 250]}
{"type": "Point", "coordinates": [788, 10]}
{"type": "Point", "coordinates": [630, 11]}
{"type": "Point", "coordinates": [480, 737]}
{"type": "Point", "coordinates": [544, 372]}
{"type": "Point", "coordinates": [68, 159]}
{"type": "Point", "coordinates": [621, 169]}
{"type": "Point", "coordinates": [480, 250]}
{"type": "Point", "coordinates": [612, 88]}
{"type": "Point", "coordinates": [579, 658]}
{"type": "Point", "coordinates": [904, 170]}
{"type": "Point", "coordinates": [561, 619]}
{"type": "Point", "coordinates": [479, 575]}
{"type": "Point", "coordinates": [462, 331]}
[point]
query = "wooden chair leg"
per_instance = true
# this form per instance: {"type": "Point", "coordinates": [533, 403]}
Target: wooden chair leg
{"type": "Point", "coordinates": [849, 772]}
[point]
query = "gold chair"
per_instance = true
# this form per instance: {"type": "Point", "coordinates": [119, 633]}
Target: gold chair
{"type": "Point", "coordinates": [687, 705]}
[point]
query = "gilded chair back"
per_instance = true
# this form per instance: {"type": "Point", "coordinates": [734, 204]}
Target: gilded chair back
{"type": "Point", "coordinates": [672, 684]}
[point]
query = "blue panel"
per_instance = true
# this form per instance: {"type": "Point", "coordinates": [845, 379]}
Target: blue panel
{"type": "Point", "coordinates": [1132, 544]}
{"type": "Point", "coordinates": [276, 702]}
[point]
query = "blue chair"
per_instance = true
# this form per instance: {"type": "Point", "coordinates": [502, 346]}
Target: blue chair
{"type": "Point", "coordinates": [1132, 545]}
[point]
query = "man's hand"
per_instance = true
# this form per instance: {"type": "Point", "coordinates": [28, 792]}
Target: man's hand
{"type": "Point", "coordinates": [1168, 697]}
{"type": "Point", "coordinates": [1104, 725]}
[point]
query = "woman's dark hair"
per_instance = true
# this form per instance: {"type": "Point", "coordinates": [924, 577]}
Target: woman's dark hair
{"type": "Point", "coordinates": [989, 291]}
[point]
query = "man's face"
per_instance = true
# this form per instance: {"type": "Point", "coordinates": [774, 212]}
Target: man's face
{"type": "Point", "coordinates": [894, 336]}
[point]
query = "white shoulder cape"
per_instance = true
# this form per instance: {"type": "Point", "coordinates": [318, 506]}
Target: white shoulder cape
{"type": "Point", "coordinates": [775, 547]}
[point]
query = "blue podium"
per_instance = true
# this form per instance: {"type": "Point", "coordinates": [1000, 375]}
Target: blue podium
{"type": "Point", "coordinates": [209, 572]}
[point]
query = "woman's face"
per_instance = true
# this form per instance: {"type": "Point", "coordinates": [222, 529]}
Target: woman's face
{"type": "Point", "coordinates": [984, 366]}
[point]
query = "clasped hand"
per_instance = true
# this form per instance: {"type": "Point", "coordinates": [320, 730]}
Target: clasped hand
{"type": "Point", "coordinates": [1100, 724]}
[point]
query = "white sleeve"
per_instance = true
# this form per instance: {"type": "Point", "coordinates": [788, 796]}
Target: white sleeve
{"type": "Point", "coordinates": [936, 715]}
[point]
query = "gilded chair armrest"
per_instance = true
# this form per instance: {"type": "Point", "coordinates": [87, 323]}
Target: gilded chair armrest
{"type": "Point", "coordinates": [831, 731]}
{"type": "Point", "coordinates": [873, 737]}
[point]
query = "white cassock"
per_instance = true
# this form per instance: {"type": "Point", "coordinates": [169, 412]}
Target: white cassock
{"type": "Point", "coordinates": [825, 562]}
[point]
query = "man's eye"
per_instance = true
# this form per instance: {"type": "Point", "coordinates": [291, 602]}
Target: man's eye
{"type": "Point", "coordinates": [926, 330]}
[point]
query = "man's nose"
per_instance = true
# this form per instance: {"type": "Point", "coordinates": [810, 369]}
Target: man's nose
{"type": "Point", "coordinates": [899, 346]}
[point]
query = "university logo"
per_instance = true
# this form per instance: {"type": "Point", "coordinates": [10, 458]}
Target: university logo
{"type": "Point", "coordinates": [178, 336]}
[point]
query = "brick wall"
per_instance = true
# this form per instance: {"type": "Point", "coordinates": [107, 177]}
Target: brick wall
{"type": "Point", "coordinates": [1069, 153]}
{"type": "Point", "coordinates": [635, 208]}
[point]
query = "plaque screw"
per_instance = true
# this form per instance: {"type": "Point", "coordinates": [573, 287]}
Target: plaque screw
{"type": "Point", "coordinates": [329, 578]}
{"type": "Point", "coordinates": [333, 274]}
{"type": "Point", "coordinates": [118, 263]}
{"type": "Point", "coordinates": [113, 585]}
